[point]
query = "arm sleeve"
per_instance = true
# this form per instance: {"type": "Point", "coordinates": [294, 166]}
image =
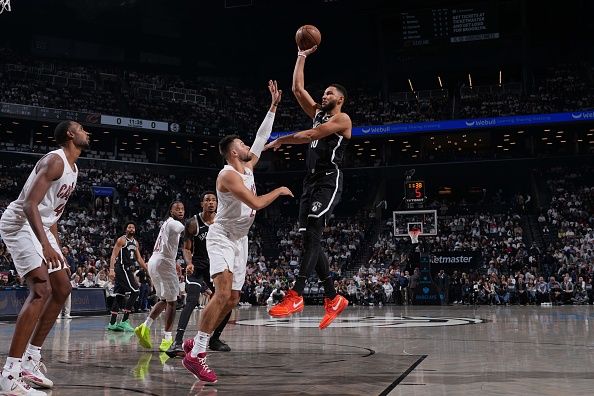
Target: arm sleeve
{"type": "Point", "coordinates": [263, 134]}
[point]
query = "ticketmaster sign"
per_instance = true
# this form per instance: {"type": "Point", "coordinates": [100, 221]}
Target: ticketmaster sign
{"type": "Point", "coordinates": [449, 260]}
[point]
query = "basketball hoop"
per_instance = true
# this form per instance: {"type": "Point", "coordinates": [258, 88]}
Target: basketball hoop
{"type": "Point", "coordinates": [414, 235]}
{"type": "Point", "coordinates": [4, 5]}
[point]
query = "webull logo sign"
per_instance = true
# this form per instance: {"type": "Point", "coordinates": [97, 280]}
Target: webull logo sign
{"type": "Point", "coordinates": [583, 115]}
{"type": "Point", "coordinates": [481, 123]}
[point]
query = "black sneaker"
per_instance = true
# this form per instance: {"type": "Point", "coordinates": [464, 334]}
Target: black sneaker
{"type": "Point", "coordinates": [176, 350]}
{"type": "Point", "coordinates": [217, 345]}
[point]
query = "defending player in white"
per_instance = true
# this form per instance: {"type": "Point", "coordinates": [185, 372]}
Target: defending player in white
{"type": "Point", "coordinates": [227, 240]}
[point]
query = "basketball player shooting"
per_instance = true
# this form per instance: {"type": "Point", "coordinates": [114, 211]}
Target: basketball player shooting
{"type": "Point", "coordinates": [322, 187]}
{"type": "Point", "coordinates": [227, 238]}
{"type": "Point", "coordinates": [29, 229]}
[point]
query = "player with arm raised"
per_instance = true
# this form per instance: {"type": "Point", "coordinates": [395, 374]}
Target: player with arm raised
{"type": "Point", "coordinates": [227, 239]}
{"type": "Point", "coordinates": [322, 187]}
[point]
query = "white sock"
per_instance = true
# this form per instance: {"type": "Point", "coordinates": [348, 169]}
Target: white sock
{"type": "Point", "coordinates": [12, 366]}
{"type": "Point", "coordinates": [200, 344]}
{"type": "Point", "coordinates": [148, 322]}
{"type": "Point", "coordinates": [167, 335]}
{"type": "Point", "coordinates": [33, 351]}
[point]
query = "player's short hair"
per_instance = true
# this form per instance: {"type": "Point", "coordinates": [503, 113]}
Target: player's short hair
{"type": "Point", "coordinates": [225, 143]}
{"type": "Point", "coordinates": [342, 90]}
{"type": "Point", "coordinates": [128, 223]}
{"type": "Point", "coordinates": [205, 193]}
{"type": "Point", "coordinates": [61, 132]}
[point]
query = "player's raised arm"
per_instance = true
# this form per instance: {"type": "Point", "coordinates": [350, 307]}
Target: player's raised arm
{"type": "Point", "coordinates": [232, 182]}
{"type": "Point", "coordinates": [266, 127]}
{"type": "Point", "coordinates": [339, 124]}
{"type": "Point", "coordinates": [303, 97]}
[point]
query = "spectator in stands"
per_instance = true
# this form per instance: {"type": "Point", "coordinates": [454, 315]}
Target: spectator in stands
{"type": "Point", "coordinates": [4, 281]}
{"type": "Point", "coordinates": [555, 292]}
{"type": "Point", "coordinates": [89, 280]}
{"type": "Point", "coordinates": [542, 291]}
{"type": "Point", "coordinates": [443, 287]}
{"type": "Point", "coordinates": [568, 289]}
{"type": "Point", "coordinates": [531, 292]}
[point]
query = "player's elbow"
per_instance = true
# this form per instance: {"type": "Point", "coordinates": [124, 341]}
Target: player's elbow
{"type": "Point", "coordinates": [297, 90]}
{"type": "Point", "coordinates": [28, 207]}
{"type": "Point", "coordinates": [256, 204]}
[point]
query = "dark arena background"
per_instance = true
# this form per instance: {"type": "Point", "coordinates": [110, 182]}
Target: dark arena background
{"type": "Point", "coordinates": [473, 131]}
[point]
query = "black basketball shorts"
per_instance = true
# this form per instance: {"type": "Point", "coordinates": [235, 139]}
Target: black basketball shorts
{"type": "Point", "coordinates": [125, 281]}
{"type": "Point", "coordinates": [321, 194]}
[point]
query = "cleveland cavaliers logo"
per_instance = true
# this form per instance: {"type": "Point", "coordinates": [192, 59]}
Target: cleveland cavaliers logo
{"type": "Point", "coordinates": [364, 321]}
{"type": "Point", "coordinates": [63, 193]}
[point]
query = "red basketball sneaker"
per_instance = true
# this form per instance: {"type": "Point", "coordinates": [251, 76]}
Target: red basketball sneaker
{"type": "Point", "coordinates": [188, 345]}
{"type": "Point", "coordinates": [199, 368]}
{"type": "Point", "coordinates": [333, 308]}
{"type": "Point", "coordinates": [291, 304]}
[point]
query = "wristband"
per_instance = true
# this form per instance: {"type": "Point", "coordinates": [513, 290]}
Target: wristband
{"type": "Point", "coordinates": [301, 53]}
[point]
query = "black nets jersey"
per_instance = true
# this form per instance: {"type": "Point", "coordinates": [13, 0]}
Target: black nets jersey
{"type": "Point", "coordinates": [326, 153]}
{"type": "Point", "coordinates": [127, 257]}
{"type": "Point", "coordinates": [199, 252]}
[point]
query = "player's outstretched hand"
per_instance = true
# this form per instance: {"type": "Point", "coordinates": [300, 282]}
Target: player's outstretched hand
{"type": "Point", "coordinates": [275, 145]}
{"type": "Point", "coordinates": [189, 269]}
{"type": "Point", "coordinates": [307, 52]}
{"type": "Point", "coordinates": [275, 93]}
{"type": "Point", "coordinates": [285, 191]}
{"type": "Point", "coordinates": [52, 258]}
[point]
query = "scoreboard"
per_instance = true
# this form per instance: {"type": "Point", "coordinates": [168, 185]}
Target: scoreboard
{"type": "Point", "coordinates": [414, 191]}
{"type": "Point", "coordinates": [448, 25]}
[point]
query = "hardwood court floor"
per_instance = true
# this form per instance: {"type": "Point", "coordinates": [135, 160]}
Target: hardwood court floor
{"type": "Point", "coordinates": [392, 350]}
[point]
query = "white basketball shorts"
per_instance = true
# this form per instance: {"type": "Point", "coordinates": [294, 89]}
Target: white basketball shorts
{"type": "Point", "coordinates": [227, 254]}
{"type": "Point", "coordinates": [164, 277]}
{"type": "Point", "coordinates": [25, 248]}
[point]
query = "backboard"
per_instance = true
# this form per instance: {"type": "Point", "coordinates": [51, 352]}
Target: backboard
{"type": "Point", "coordinates": [425, 220]}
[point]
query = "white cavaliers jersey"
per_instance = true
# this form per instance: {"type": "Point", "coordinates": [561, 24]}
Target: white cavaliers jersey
{"type": "Point", "coordinates": [168, 239]}
{"type": "Point", "coordinates": [53, 203]}
{"type": "Point", "coordinates": [234, 216]}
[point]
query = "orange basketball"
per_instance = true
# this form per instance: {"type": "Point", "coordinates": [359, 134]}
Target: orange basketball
{"type": "Point", "coordinates": [307, 36]}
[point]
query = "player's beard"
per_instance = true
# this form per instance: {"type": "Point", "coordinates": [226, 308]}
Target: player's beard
{"type": "Point", "coordinates": [131, 234]}
{"type": "Point", "coordinates": [329, 106]}
{"type": "Point", "coordinates": [83, 144]}
{"type": "Point", "coordinates": [247, 157]}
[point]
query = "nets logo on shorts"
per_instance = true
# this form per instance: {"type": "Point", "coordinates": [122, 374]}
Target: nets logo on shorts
{"type": "Point", "coordinates": [316, 206]}
{"type": "Point", "coordinates": [364, 321]}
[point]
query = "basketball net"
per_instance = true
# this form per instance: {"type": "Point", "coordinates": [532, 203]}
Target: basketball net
{"type": "Point", "coordinates": [4, 5]}
{"type": "Point", "coordinates": [414, 235]}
